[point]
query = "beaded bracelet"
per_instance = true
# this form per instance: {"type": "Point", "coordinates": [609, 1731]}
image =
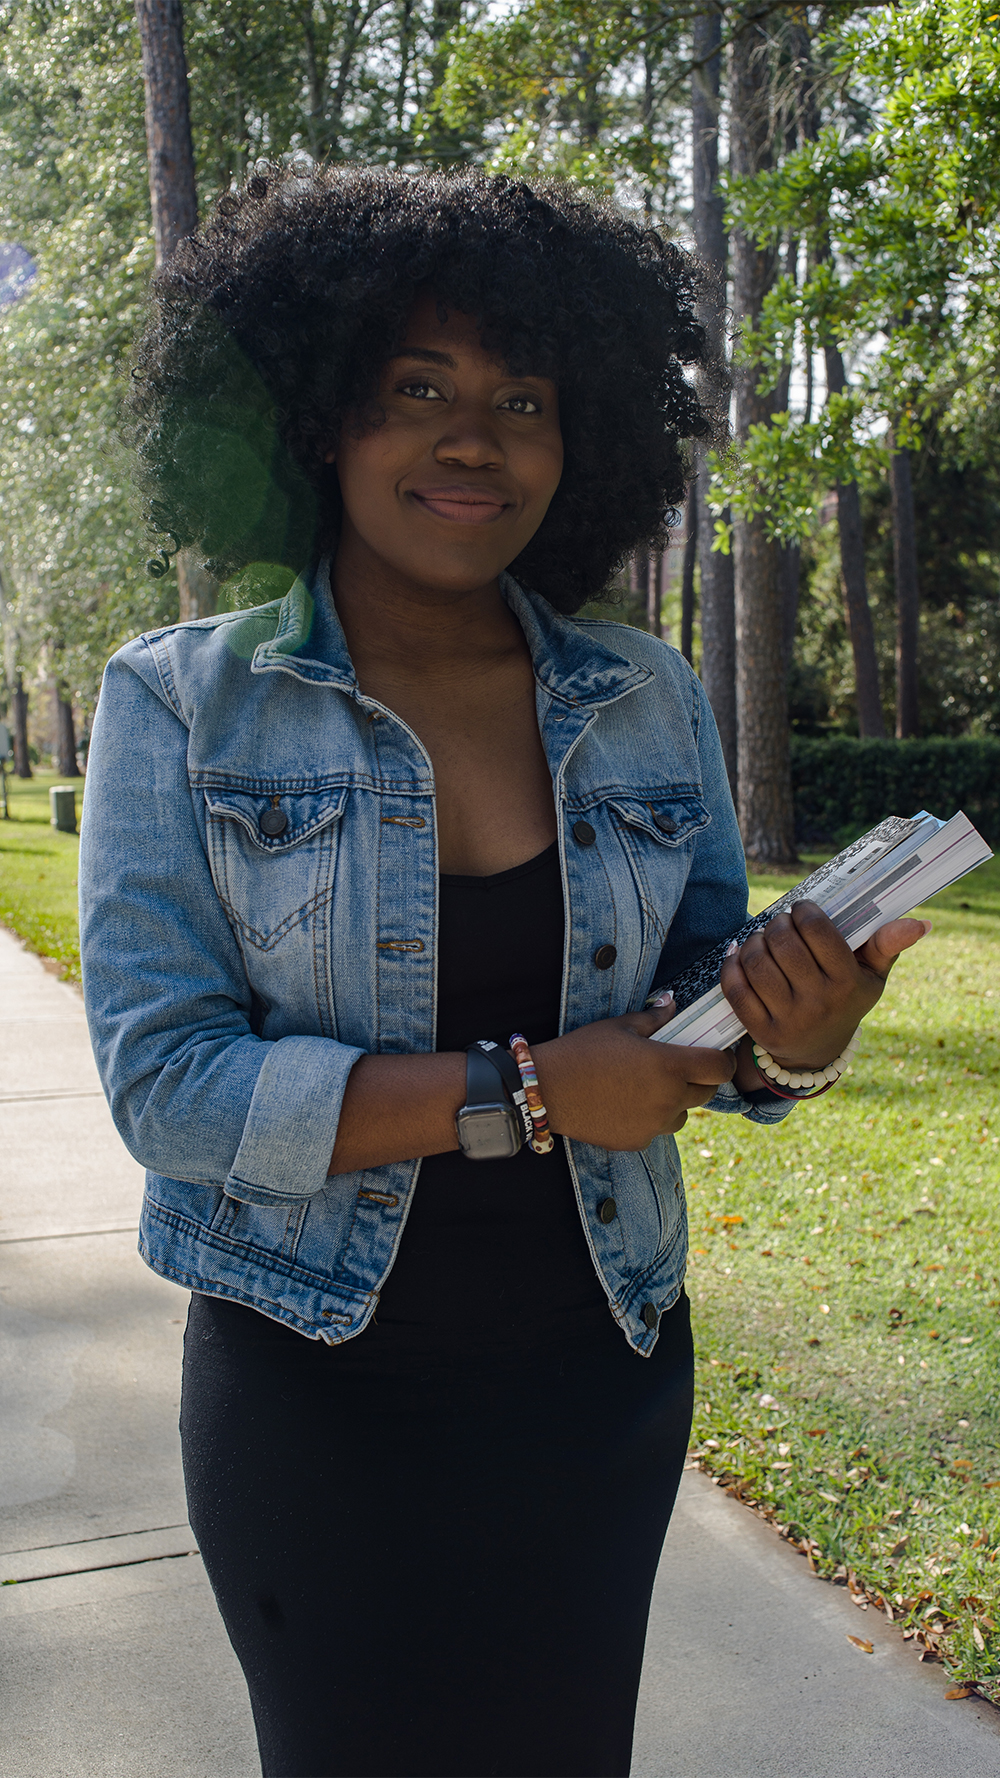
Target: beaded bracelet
{"type": "Point", "coordinates": [775, 1076]}
{"type": "Point", "coordinates": [541, 1141]}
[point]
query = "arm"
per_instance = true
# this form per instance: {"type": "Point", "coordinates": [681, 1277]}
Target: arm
{"type": "Point", "coordinates": [195, 1094]}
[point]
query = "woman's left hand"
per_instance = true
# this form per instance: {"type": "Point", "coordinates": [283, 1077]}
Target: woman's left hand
{"type": "Point", "coordinates": [801, 991]}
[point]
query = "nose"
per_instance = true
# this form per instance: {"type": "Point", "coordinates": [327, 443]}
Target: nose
{"type": "Point", "coordinates": [471, 437]}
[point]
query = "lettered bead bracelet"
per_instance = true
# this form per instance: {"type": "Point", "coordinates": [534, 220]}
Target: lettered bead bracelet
{"type": "Point", "coordinates": [802, 1083]}
{"type": "Point", "coordinates": [541, 1141]}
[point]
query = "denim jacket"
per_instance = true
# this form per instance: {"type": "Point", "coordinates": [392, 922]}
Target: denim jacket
{"type": "Point", "coordinates": [235, 969]}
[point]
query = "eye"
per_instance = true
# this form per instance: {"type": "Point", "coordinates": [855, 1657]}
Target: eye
{"type": "Point", "coordinates": [521, 404]}
{"type": "Point", "coordinates": [421, 391]}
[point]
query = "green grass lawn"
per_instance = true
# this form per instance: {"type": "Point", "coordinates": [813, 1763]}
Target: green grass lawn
{"type": "Point", "coordinates": [845, 1272]}
{"type": "Point", "coordinates": [845, 1280]}
{"type": "Point", "coordinates": [38, 872]}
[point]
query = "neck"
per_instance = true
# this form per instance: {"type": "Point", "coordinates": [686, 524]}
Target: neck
{"type": "Point", "coordinates": [407, 630]}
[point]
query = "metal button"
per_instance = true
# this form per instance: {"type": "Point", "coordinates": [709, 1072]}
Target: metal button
{"type": "Point", "coordinates": [650, 1314]}
{"type": "Point", "coordinates": [664, 823]}
{"type": "Point", "coordinates": [604, 956]}
{"type": "Point", "coordinates": [273, 822]}
{"type": "Point", "coordinates": [583, 833]}
{"type": "Point", "coordinates": [607, 1210]}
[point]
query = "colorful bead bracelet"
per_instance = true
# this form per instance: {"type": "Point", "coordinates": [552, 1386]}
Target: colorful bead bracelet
{"type": "Point", "coordinates": [541, 1141]}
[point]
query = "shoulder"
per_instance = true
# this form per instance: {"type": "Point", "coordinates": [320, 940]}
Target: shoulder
{"type": "Point", "coordinates": [673, 677]}
{"type": "Point", "coordinates": [183, 662]}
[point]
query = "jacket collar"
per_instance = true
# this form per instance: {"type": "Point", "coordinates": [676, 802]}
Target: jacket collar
{"type": "Point", "coordinates": [570, 664]}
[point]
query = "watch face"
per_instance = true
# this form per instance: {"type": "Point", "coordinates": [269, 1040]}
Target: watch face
{"type": "Point", "coordinates": [488, 1132]}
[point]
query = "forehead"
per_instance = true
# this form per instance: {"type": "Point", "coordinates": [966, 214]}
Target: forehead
{"type": "Point", "coordinates": [433, 323]}
{"type": "Point", "coordinates": [441, 327]}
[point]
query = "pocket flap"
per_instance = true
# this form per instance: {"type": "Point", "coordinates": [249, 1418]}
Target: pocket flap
{"type": "Point", "coordinates": [668, 817]}
{"type": "Point", "coordinates": [260, 812]}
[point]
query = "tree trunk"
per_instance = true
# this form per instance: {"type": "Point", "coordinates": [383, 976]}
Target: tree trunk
{"type": "Point", "coordinates": [22, 758]}
{"type": "Point", "coordinates": [168, 124]}
{"type": "Point", "coordinates": [854, 581]}
{"type": "Point", "coordinates": [904, 551]}
{"type": "Point", "coordinates": [174, 202]}
{"type": "Point", "coordinates": [65, 733]}
{"type": "Point", "coordinates": [857, 611]}
{"type": "Point", "coordinates": [687, 577]}
{"type": "Point", "coordinates": [718, 627]}
{"type": "Point", "coordinates": [788, 570]}
{"type": "Point", "coordinates": [764, 801]}
{"type": "Point", "coordinates": [718, 624]}
{"type": "Point", "coordinates": [653, 568]}
{"type": "Point", "coordinates": [197, 590]}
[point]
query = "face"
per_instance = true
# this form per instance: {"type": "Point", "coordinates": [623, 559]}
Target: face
{"type": "Point", "coordinates": [458, 478]}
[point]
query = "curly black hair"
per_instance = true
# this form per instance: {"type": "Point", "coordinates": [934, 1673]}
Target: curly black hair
{"type": "Point", "coordinates": [271, 325]}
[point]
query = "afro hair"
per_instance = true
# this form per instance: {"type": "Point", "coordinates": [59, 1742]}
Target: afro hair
{"type": "Point", "coordinates": [270, 326]}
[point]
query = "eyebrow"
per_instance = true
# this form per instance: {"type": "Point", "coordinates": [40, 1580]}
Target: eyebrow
{"type": "Point", "coordinates": [425, 353]}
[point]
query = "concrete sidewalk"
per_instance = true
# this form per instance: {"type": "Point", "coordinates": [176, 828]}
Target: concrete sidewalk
{"type": "Point", "coordinates": [113, 1660]}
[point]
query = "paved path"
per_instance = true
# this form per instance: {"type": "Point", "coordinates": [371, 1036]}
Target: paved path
{"type": "Point", "coordinates": [113, 1661]}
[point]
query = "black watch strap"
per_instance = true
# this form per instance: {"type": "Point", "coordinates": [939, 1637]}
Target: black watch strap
{"type": "Point", "coordinates": [502, 1061]}
{"type": "Point", "coordinates": [483, 1062]}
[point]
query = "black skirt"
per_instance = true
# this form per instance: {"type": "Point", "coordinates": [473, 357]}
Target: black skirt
{"type": "Point", "coordinates": [434, 1545]}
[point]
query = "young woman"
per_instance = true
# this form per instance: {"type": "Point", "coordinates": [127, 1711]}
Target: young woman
{"type": "Point", "coordinates": [437, 1379]}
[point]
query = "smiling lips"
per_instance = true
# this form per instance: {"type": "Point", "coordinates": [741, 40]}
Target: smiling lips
{"type": "Point", "coordinates": [463, 505]}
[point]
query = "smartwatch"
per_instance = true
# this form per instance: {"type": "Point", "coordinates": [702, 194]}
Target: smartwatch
{"type": "Point", "coordinates": [494, 1121]}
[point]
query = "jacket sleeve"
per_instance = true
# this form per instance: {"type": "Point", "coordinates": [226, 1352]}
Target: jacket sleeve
{"type": "Point", "coordinates": [715, 896]}
{"type": "Point", "coordinates": [194, 1093]}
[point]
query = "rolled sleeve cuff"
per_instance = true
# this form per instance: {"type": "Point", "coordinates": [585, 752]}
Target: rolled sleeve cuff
{"type": "Point", "coordinates": [763, 1108]}
{"type": "Point", "coordinates": [291, 1126]}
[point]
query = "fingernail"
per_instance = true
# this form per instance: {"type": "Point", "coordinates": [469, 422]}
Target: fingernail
{"type": "Point", "coordinates": [928, 926]}
{"type": "Point", "coordinates": [663, 998]}
{"type": "Point", "coordinates": [732, 948]}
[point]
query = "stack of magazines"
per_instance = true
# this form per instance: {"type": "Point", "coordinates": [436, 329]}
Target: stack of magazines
{"type": "Point", "coordinates": [884, 874]}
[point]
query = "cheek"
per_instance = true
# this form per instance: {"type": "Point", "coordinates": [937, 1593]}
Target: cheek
{"type": "Point", "coordinates": [367, 472]}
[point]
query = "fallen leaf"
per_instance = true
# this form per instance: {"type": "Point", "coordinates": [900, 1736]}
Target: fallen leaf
{"type": "Point", "coordinates": [966, 1340]}
{"type": "Point", "coordinates": [866, 1647]}
{"type": "Point", "coordinates": [977, 1637]}
{"type": "Point", "coordinates": [898, 1548]}
{"type": "Point", "coordinates": [701, 1250]}
{"type": "Point", "coordinates": [816, 1432]}
{"type": "Point", "coordinates": [959, 1691]}
{"type": "Point", "coordinates": [729, 1219]}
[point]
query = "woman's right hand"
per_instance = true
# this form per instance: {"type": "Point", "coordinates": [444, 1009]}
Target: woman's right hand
{"type": "Point", "coordinates": [607, 1084]}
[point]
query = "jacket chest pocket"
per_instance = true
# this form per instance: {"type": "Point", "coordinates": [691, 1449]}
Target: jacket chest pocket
{"type": "Point", "coordinates": [272, 855]}
{"type": "Point", "coordinates": [656, 832]}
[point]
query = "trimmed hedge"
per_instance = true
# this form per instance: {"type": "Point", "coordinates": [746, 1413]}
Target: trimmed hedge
{"type": "Point", "coordinates": [843, 785]}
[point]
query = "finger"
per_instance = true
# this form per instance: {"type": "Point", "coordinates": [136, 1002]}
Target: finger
{"type": "Point", "coordinates": [819, 944]}
{"type": "Point", "coordinates": [777, 964]}
{"type": "Point", "coordinates": [652, 1018]}
{"type": "Point", "coordinates": [890, 941]}
{"type": "Point", "coordinates": [742, 997]}
{"type": "Point", "coordinates": [699, 1068]}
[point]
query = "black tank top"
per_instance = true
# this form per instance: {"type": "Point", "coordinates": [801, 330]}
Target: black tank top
{"type": "Point", "coordinates": [493, 1257]}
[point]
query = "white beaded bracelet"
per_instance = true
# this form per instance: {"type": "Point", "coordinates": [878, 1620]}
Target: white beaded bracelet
{"type": "Point", "coordinates": [803, 1079]}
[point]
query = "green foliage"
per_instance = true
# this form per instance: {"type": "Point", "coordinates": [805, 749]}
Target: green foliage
{"type": "Point", "coordinates": [352, 78]}
{"type": "Point", "coordinates": [579, 89]}
{"type": "Point", "coordinates": [897, 205]}
{"type": "Point", "coordinates": [843, 785]}
{"type": "Point", "coordinates": [72, 191]}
